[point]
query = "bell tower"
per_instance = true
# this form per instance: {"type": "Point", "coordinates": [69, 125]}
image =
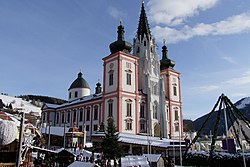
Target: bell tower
{"type": "Point", "coordinates": [144, 47]}
{"type": "Point", "coordinates": [171, 79]}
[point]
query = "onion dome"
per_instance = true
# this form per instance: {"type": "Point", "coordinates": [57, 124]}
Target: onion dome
{"type": "Point", "coordinates": [98, 88]}
{"type": "Point", "coordinates": [165, 61]}
{"type": "Point", "coordinates": [120, 44]}
{"type": "Point", "coordinates": [80, 82]}
{"type": "Point", "coordinates": [8, 132]}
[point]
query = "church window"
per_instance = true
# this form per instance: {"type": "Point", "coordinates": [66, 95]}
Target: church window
{"type": "Point", "coordinates": [88, 114]}
{"type": "Point", "coordinates": [176, 115]}
{"type": "Point", "coordinates": [155, 110]}
{"type": "Point", "coordinates": [80, 128]}
{"type": "Point", "coordinates": [63, 117]}
{"type": "Point", "coordinates": [111, 78]}
{"type": "Point", "coordinates": [129, 108]}
{"type": "Point", "coordinates": [142, 111]}
{"type": "Point", "coordinates": [95, 112]}
{"type": "Point", "coordinates": [87, 127]}
{"type": "Point", "coordinates": [175, 90]}
{"type": "Point", "coordinates": [138, 49]}
{"type": "Point", "coordinates": [69, 94]}
{"type": "Point", "coordinates": [145, 43]}
{"type": "Point", "coordinates": [142, 127]}
{"type": "Point", "coordinates": [74, 116]}
{"type": "Point", "coordinates": [128, 124]}
{"type": "Point", "coordinates": [81, 115]}
{"type": "Point", "coordinates": [110, 109]}
{"type": "Point", "coordinates": [95, 127]}
{"type": "Point", "coordinates": [76, 94]}
{"type": "Point", "coordinates": [128, 79]}
{"type": "Point", "coordinates": [68, 117]}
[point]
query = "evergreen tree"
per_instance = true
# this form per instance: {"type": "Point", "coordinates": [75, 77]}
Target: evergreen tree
{"type": "Point", "coordinates": [110, 145]}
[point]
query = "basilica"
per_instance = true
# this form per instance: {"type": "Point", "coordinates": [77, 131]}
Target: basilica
{"type": "Point", "coordinates": [140, 91]}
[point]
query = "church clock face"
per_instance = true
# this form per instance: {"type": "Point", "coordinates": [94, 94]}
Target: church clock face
{"type": "Point", "coordinates": [111, 66]}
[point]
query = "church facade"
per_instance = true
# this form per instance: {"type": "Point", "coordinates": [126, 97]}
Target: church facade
{"type": "Point", "coordinates": [141, 92]}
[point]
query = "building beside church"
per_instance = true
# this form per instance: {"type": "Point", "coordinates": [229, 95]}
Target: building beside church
{"type": "Point", "coordinates": [140, 91]}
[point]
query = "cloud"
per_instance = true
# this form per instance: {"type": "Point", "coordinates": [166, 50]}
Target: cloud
{"type": "Point", "coordinates": [115, 13]}
{"type": "Point", "coordinates": [242, 80]}
{"type": "Point", "coordinates": [233, 25]}
{"type": "Point", "coordinates": [239, 95]}
{"type": "Point", "coordinates": [229, 59]}
{"type": "Point", "coordinates": [174, 12]}
{"type": "Point", "coordinates": [206, 88]}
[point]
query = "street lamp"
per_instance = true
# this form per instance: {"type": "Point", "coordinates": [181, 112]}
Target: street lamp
{"type": "Point", "coordinates": [180, 141]}
{"type": "Point", "coordinates": [49, 135]}
{"type": "Point", "coordinates": [20, 139]}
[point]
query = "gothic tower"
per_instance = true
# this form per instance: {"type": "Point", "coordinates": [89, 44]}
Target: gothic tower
{"type": "Point", "coordinates": [144, 48]}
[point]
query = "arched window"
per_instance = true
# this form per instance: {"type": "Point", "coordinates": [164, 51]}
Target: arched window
{"type": "Point", "coordinates": [68, 117]}
{"type": "Point", "coordinates": [128, 123]}
{"type": "Point", "coordinates": [88, 114]}
{"type": "Point", "coordinates": [142, 110]}
{"type": "Point", "coordinates": [95, 112]}
{"type": "Point", "coordinates": [155, 108]}
{"type": "Point", "coordinates": [110, 108]}
{"type": "Point", "coordinates": [63, 117]}
{"type": "Point", "coordinates": [81, 115]}
{"type": "Point", "coordinates": [128, 78]}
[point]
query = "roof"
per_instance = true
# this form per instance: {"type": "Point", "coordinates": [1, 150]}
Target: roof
{"type": "Point", "coordinates": [55, 130]}
{"type": "Point", "coordinates": [144, 140]}
{"type": "Point", "coordinates": [49, 105]}
{"type": "Point", "coordinates": [143, 27]}
{"type": "Point", "coordinates": [153, 157]}
{"type": "Point", "coordinates": [134, 161]}
{"type": "Point", "coordinates": [80, 100]}
{"type": "Point", "coordinates": [80, 164]}
{"type": "Point", "coordinates": [80, 82]}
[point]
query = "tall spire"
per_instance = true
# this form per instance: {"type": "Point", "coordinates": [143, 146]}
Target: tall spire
{"type": "Point", "coordinates": [143, 27]}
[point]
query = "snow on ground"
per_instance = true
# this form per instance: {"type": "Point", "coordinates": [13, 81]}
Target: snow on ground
{"type": "Point", "coordinates": [18, 103]}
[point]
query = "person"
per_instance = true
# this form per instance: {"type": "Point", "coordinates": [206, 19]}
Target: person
{"type": "Point", "coordinates": [172, 163]}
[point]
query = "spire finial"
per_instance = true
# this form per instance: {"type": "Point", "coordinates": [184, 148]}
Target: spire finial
{"type": "Point", "coordinates": [120, 21]}
{"type": "Point", "coordinates": [143, 1]}
{"type": "Point", "coordinates": [164, 50]}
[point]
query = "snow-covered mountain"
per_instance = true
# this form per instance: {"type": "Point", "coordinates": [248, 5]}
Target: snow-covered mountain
{"type": "Point", "coordinates": [243, 103]}
{"type": "Point", "coordinates": [18, 103]}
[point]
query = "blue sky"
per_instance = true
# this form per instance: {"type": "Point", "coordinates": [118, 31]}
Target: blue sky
{"type": "Point", "coordinates": [44, 44]}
